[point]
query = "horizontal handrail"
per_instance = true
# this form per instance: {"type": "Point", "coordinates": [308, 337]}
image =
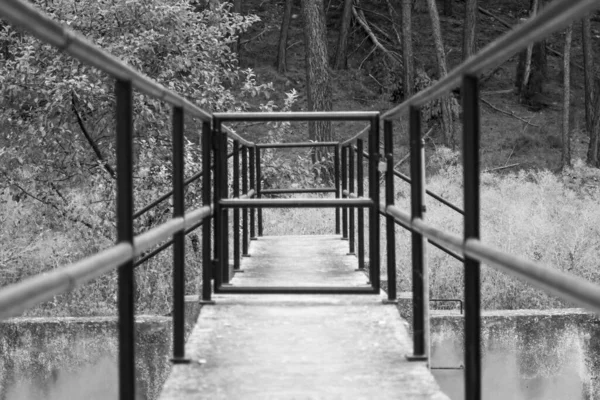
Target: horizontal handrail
{"type": "Point", "coordinates": [562, 285]}
{"type": "Point", "coordinates": [165, 196]}
{"type": "Point", "coordinates": [251, 193]}
{"type": "Point", "coordinates": [359, 135]}
{"type": "Point", "coordinates": [54, 33]}
{"type": "Point", "coordinates": [16, 298]}
{"type": "Point", "coordinates": [292, 191]}
{"type": "Point", "coordinates": [285, 203]}
{"type": "Point", "coordinates": [297, 116]}
{"type": "Point", "coordinates": [295, 145]}
{"type": "Point", "coordinates": [22, 295]}
{"type": "Point", "coordinates": [382, 211]}
{"type": "Point", "coordinates": [553, 17]}
{"type": "Point", "coordinates": [234, 136]}
{"type": "Point", "coordinates": [429, 192]}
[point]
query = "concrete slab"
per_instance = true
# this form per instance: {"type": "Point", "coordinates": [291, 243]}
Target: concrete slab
{"type": "Point", "coordinates": [300, 346]}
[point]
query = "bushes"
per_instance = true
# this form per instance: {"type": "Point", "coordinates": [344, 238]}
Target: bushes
{"type": "Point", "coordinates": [552, 219]}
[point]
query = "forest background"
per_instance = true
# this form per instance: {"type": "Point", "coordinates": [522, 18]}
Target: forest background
{"type": "Point", "coordinates": [540, 124]}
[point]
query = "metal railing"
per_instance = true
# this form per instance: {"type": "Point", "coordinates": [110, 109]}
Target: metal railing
{"type": "Point", "coordinates": [224, 269]}
{"type": "Point", "coordinates": [14, 299]}
{"type": "Point", "coordinates": [552, 18]}
{"type": "Point", "coordinates": [349, 190]}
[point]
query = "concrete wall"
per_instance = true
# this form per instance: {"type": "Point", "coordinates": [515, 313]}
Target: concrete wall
{"type": "Point", "coordinates": [527, 354]}
{"type": "Point", "coordinates": [76, 358]}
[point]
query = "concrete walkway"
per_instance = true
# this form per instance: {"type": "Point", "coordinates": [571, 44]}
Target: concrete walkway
{"type": "Point", "coordinates": [300, 346]}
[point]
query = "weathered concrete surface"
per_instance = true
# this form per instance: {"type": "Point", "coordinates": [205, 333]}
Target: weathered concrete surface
{"type": "Point", "coordinates": [527, 354]}
{"type": "Point", "coordinates": [299, 346]}
{"type": "Point", "coordinates": [300, 261]}
{"type": "Point", "coordinates": [76, 357]}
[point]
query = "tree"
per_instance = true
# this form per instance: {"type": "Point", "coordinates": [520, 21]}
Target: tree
{"type": "Point", "coordinates": [588, 70]}
{"type": "Point", "coordinates": [566, 134]}
{"type": "Point", "coordinates": [318, 80]}
{"type": "Point", "coordinates": [283, 34]}
{"type": "Point", "coordinates": [447, 125]}
{"type": "Point", "coordinates": [470, 29]}
{"type": "Point", "coordinates": [341, 53]}
{"type": "Point", "coordinates": [532, 67]}
{"type": "Point", "coordinates": [448, 8]}
{"type": "Point", "coordinates": [408, 77]}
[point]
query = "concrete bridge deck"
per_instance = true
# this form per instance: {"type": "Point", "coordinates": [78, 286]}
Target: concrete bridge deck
{"type": "Point", "coordinates": [300, 346]}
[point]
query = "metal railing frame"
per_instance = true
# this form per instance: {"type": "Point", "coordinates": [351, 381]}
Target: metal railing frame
{"type": "Point", "coordinates": [15, 298]}
{"type": "Point", "coordinates": [223, 203]}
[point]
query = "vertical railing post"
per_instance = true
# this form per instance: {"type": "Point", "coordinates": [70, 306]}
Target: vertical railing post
{"type": "Point", "coordinates": [126, 279]}
{"type": "Point", "coordinates": [224, 160]}
{"type": "Point", "coordinates": [236, 211]}
{"type": "Point", "coordinates": [245, 238]}
{"type": "Point", "coordinates": [336, 162]}
{"type": "Point", "coordinates": [374, 159]}
{"type": "Point", "coordinates": [258, 190]}
{"type": "Point", "coordinates": [351, 210]}
{"type": "Point", "coordinates": [344, 187]}
{"type": "Point", "coordinates": [389, 201]}
{"type": "Point", "coordinates": [217, 213]}
{"type": "Point", "coordinates": [471, 138]}
{"type": "Point", "coordinates": [419, 272]}
{"type": "Point", "coordinates": [253, 186]}
{"type": "Point", "coordinates": [207, 265]}
{"type": "Point", "coordinates": [178, 239]}
{"type": "Point", "coordinates": [361, 211]}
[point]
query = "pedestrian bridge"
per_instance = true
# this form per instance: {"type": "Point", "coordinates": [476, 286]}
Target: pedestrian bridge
{"type": "Point", "coordinates": [298, 317]}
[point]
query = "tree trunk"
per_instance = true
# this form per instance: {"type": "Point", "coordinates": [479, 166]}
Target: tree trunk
{"type": "Point", "coordinates": [566, 134]}
{"type": "Point", "coordinates": [448, 8]}
{"type": "Point", "coordinates": [588, 71]}
{"type": "Point", "coordinates": [318, 81]}
{"type": "Point", "coordinates": [283, 35]}
{"type": "Point", "coordinates": [408, 78]}
{"type": "Point", "coordinates": [447, 126]}
{"type": "Point", "coordinates": [341, 54]}
{"type": "Point", "coordinates": [533, 66]}
{"type": "Point", "coordinates": [470, 29]}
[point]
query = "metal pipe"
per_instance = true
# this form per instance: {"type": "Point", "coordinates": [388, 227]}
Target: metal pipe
{"type": "Point", "coordinates": [245, 237]}
{"type": "Point", "coordinates": [360, 135]}
{"type": "Point", "coordinates": [217, 143]}
{"type": "Point", "coordinates": [295, 203]}
{"type": "Point", "coordinates": [430, 193]}
{"type": "Point", "coordinates": [18, 297]}
{"type": "Point", "coordinates": [225, 267]}
{"type": "Point", "coordinates": [178, 239]}
{"type": "Point", "coordinates": [389, 200]}
{"type": "Point", "coordinates": [374, 250]}
{"type": "Point", "coordinates": [165, 196]}
{"type": "Point", "coordinates": [126, 277]}
{"type": "Point", "coordinates": [344, 187]}
{"type": "Point", "coordinates": [361, 213]}
{"type": "Point", "coordinates": [336, 171]}
{"type": "Point", "coordinates": [419, 272]}
{"type": "Point", "coordinates": [295, 145]}
{"type": "Point", "coordinates": [292, 191]}
{"type": "Point", "coordinates": [351, 230]}
{"type": "Point", "coordinates": [254, 187]}
{"type": "Point", "coordinates": [259, 192]}
{"type": "Point", "coordinates": [236, 212]}
{"type": "Point", "coordinates": [207, 265]}
{"type": "Point", "coordinates": [298, 116]}
{"type": "Point", "coordinates": [471, 138]}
